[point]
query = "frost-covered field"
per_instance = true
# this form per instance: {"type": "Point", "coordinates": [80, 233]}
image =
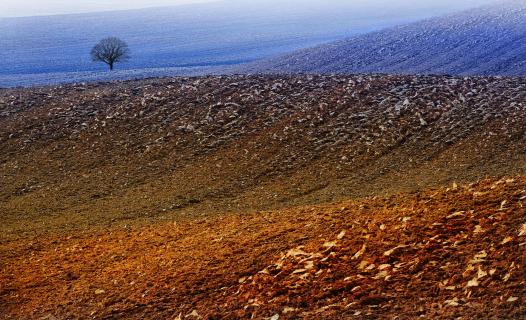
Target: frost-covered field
{"type": "Point", "coordinates": [27, 80]}
{"type": "Point", "coordinates": [225, 32]}
{"type": "Point", "coordinates": [484, 41]}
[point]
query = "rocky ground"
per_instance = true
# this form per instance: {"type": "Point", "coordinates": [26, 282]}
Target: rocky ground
{"type": "Point", "coordinates": [211, 197]}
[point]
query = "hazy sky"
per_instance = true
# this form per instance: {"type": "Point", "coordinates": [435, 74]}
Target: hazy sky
{"type": "Point", "coordinates": [17, 8]}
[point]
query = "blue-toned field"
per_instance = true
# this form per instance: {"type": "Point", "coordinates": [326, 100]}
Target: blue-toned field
{"type": "Point", "coordinates": [200, 35]}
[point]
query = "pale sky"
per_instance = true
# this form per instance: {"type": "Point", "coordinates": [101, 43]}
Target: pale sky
{"type": "Point", "coordinates": [18, 8]}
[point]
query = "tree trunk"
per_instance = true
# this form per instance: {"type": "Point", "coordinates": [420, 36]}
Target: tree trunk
{"type": "Point", "coordinates": [111, 66]}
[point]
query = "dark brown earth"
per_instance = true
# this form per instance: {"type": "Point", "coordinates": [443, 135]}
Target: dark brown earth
{"type": "Point", "coordinates": [85, 156]}
{"type": "Point", "coordinates": [158, 198]}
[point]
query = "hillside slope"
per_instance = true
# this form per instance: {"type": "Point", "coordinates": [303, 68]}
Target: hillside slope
{"type": "Point", "coordinates": [441, 254]}
{"type": "Point", "coordinates": [484, 41]}
{"type": "Point", "coordinates": [214, 33]}
{"type": "Point", "coordinates": [98, 155]}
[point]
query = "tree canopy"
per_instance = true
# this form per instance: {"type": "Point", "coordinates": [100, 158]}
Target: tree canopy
{"type": "Point", "coordinates": [110, 50]}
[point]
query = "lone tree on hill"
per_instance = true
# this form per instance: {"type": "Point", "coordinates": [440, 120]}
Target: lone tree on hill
{"type": "Point", "coordinates": [110, 50]}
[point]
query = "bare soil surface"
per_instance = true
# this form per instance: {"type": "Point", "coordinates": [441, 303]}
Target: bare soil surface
{"type": "Point", "coordinates": [90, 156]}
{"type": "Point", "coordinates": [442, 254]}
{"type": "Point", "coordinates": [264, 197]}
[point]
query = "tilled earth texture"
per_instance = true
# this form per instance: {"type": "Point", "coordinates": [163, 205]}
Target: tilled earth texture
{"type": "Point", "coordinates": [264, 197]}
{"type": "Point", "coordinates": [441, 254]}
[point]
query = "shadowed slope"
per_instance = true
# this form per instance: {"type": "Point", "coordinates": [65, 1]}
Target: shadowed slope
{"type": "Point", "coordinates": [85, 156]}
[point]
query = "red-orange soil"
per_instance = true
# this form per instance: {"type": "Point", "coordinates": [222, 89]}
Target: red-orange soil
{"type": "Point", "coordinates": [447, 253]}
{"type": "Point", "coordinates": [264, 197]}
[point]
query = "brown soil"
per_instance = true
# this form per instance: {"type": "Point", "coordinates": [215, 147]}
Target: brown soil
{"type": "Point", "coordinates": [445, 253]}
{"type": "Point", "coordinates": [92, 156]}
{"type": "Point", "coordinates": [229, 197]}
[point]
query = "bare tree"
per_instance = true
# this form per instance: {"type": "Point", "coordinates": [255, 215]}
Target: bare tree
{"type": "Point", "coordinates": [110, 50]}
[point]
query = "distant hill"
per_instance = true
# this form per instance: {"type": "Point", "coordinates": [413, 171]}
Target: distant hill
{"type": "Point", "coordinates": [490, 40]}
{"type": "Point", "coordinates": [217, 33]}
